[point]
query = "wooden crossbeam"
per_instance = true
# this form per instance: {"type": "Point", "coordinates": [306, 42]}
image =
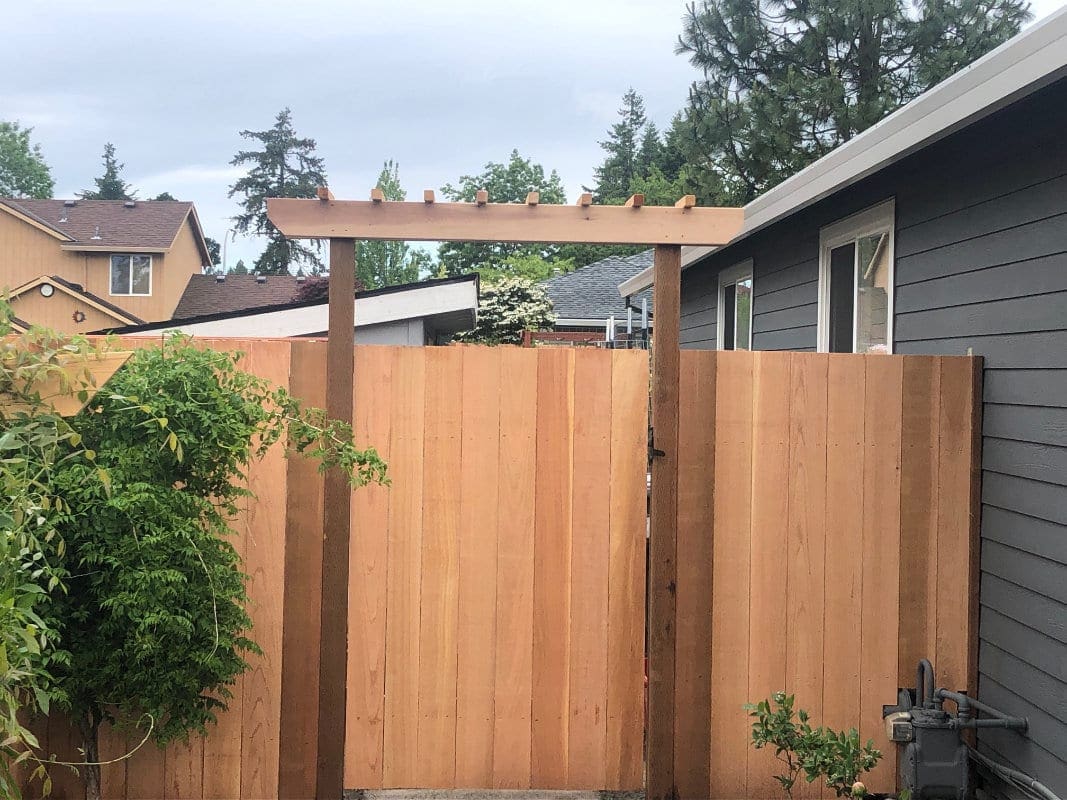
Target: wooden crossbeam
{"type": "Point", "coordinates": [481, 197]}
{"type": "Point", "coordinates": [686, 201]}
{"type": "Point", "coordinates": [427, 196]}
{"type": "Point", "coordinates": [377, 195]}
{"type": "Point", "coordinates": [503, 222]}
{"type": "Point", "coordinates": [324, 193]}
{"type": "Point", "coordinates": [585, 199]}
{"type": "Point", "coordinates": [533, 198]}
{"type": "Point", "coordinates": [635, 201]}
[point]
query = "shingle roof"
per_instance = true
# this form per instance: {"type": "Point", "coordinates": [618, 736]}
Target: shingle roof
{"type": "Point", "coordinates": [151, 224]}
{"type": "Point", "coordinates": [592, 292]}
{"type": "Point", "coordinates": [205, 295]}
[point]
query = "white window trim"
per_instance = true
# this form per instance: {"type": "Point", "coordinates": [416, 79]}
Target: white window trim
{"type": "Point", "coordinates": [872, 220]}
{"type": "Point", "coordinates": [727, 277]}
{"type": "Point", "coordinates": [151, 271]}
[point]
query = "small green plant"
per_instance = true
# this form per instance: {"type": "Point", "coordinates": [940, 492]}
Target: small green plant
{"type": "Point", "coordinates": [837, 757]}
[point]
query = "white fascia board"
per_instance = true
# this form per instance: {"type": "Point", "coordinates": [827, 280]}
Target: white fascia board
{"type": "Point", "coordinates": [1022, 65]}
{"type": "Point", "coordinates": [643, 279]}
{"type": "Point", "coordinates": [388, 307]}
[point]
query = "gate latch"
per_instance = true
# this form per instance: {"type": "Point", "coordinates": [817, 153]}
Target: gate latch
{"type": "Point", "coordinates": [652, 451]}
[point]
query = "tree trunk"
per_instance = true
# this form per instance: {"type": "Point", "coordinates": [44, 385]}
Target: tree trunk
{"type": "Point", "coordinates": [90, 731]}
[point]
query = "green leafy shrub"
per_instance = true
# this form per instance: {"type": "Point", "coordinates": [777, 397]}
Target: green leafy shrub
{"type": "Point", "coordinates": [837, 757]}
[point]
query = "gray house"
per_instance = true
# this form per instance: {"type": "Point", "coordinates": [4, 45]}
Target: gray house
{"type": "Point", "coordinates": [943, 230]}
{"type": "Point", "coordinates": [584, 300]}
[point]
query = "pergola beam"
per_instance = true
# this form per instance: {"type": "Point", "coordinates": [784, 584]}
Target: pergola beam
{"type": "Point", "coordinates": [483, 221]}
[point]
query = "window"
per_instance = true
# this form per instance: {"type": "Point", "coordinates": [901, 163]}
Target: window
{"type": "Point", "coordinates": [735, 307]}
{"type": "Point", "coordinates": [856, 283]}
{"type": "Point", "coordinates": [131, 274]}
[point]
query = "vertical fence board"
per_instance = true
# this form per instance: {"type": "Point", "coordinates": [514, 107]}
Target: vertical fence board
{"type": "Point", "coordinates": [626, 570]}
{"type": "Point", "coordinates": [368, 553]}
{"type": "Point", "coordinates": [771, 526]}
{"type": "Point", "coordinates": [265, 564]}
{"type": "Point", "coordinates": [184, 770]}
{"type": "Point", "coordinates": [920, 434]}
{"type": "Point", "coordinates": [113, 776]}
{"type": "Point", "coordinates": [440, 568]}
{"type": "Point", "coordinates": [881, 554]}
{"type": "Point", "coordinates": [303, 589]}
{"type": "Point", "coordinates": [552, 508]}
{"type": "Point", "coordinates": [731, 565]}
{"type": "Point", "coordinates": [846, 393]}
{"type": "Point", "coordinates": [588, 584]}
{"type": "Point", "coordinates": [402, 667]}
{"type": "Point", "coordinates": [692, 666]}
{"type": "Point", "coordinates": [517, 464]}
{"type": "Point", "coordinates": [478, 536]}
{"type": "Point", "coordinates": [956, 528]}
{"type": "Point", "coordinates": [806, 537]}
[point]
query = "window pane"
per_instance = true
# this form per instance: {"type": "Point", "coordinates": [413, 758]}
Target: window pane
{"type": "Point", "coordinates": [872, 313]}
{"type": "Point", "coordinates": [729, 308]}
{"type": "Point", "coordinates": [743, 328]}
{"type": "Point", "coordinates": [842, 288]}
{"type": "Point", "coordinates": [142, 275]}
{"type": "Point", "coordinates": [120, 274]}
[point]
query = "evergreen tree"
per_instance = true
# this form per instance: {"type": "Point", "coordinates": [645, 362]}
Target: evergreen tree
{"type": "Point", "coordinates": [23, 171]}
{"type": "Point", "coordinates": [239, 268]}
{"type": "Point", "coordinates": [286, 166]}
{"type": "Point", "coordinates": [506, 183]}
{"type": "Point", "coordinates": [110, 185]}
{"type": "Point", "coordinates": [213, 251]}
{"type": "Point", "coordinates": [165, 196]}
{"type": "Point", "coordinates": [388, 263]}
{"type": "Point", "coordinates": [625, 147]}
{"type": "Point", "coordinates": [786, 81]}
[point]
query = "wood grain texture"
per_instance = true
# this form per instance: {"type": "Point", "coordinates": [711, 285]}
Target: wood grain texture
{"type": "Point", "coordinates": [264, 562]}
{"type": "Point", "coordinates": [627, 562]}
{"type": "Point", "coordinates": [440, 568]}
{"type": "Point", "coordinates": [403, 594]}
{"type": "Point", "coordinates": [663, 529]}
{"type": "Point", "coordinates": [730, 633]}
{"type": "Point", "coordinates": [298, 737]}
{"type": "Point", "coordinates": [552, 552]}
{"type": "Point", "coordinates": [478, 548]}
{"type": "Point", "coordinates": [772, 522]}
{"type": "Point", "coordinates": [692, 667]}
{"type": "Point", "coordinates": [517, 465]}
{"type": "Point", "coordinates": [184, 770]}
{"type": "Point", "coordinates": [588, 584]}
{"type": "Point", "coordinates": [364, 736]}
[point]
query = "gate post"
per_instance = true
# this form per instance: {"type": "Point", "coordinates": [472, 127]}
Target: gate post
{"type": "Point", "coordinates": [663, 541]}
{"type": "Point", "coordinates": [337, 505]}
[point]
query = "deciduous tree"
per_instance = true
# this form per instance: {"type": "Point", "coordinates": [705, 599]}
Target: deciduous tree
{"type": "Point", "coordinates": [285, 165]}
{"type": "Point", "coordinates": [507, 308]}
{"type": "Point", "coordinates": [23, 171]}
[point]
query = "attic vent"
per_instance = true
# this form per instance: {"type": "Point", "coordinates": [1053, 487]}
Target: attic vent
{"type": "Point", "coordinates": [96, 234]}
{"type": "Point", "coordinates": [261, 279]}
{"type": "Point", "coordinates": [220, 279]}
{"type": "Point", "coordinates": [70, 203]}
{"type": "Point", "coordinates": [300, 278]}
{"type": "Point", "coordinates": [129, 204]}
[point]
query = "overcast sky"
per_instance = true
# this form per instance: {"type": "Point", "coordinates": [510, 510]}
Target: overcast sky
{"type": "Point", "coordinates": [441, 86]}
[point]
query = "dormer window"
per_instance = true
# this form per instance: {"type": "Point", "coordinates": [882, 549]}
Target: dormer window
{"type": "Point", "coordinates": [131, 275]}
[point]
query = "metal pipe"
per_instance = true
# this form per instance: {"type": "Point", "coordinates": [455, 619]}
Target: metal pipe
{"type": "Point", "coordinates": [999, 718]}
{"type": "Point", "coordinates": [924, 684]}
{"type": "Point", "coordinates": [1019, 779]}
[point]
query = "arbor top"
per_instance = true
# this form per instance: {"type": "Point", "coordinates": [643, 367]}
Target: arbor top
{"type": "Point", "coordinates": [531, 222]}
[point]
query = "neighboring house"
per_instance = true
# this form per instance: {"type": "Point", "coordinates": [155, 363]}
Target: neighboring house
{"type": "Point", "coordinates": [584, 300]}
{"type": "Point", "coordinates": [943, 230]}
{"type": "Point", "coordinates": [221, 294]}
{"type": "Point", "coordinates": [416, 314]}
{"type": "Point", "coordinates": [79, 265]}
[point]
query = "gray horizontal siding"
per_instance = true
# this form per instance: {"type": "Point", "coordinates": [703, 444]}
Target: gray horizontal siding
{"type": "Point", "coordinates": [980, 266]}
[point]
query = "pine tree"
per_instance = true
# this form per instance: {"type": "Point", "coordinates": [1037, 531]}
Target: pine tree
{"type": "Point", "coordinates": [388, 263]}
{"type": "Point", "coordinates": [286, 166]}
{"type": "Point", "coordinates": [239, 268]}
{"type": "Point", "coordinates": [786, 81]}
{"type": "Point", "coordinates": [110, 185]}
{"type": "Point", "coordinates": [23, 171]}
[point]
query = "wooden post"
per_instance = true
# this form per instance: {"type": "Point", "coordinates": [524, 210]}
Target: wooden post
{"type": "Point", "coordinates": [337, 503]}
{"type": "Point", "coordinates": [663, 542]}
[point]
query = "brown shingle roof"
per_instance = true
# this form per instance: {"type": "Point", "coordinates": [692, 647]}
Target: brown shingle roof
{"type": "Point", "coordinates": [151, 224]}
{"type": "Point", "coordinates": [205, 295]}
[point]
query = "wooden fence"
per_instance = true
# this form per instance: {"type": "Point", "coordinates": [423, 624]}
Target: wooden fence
{"type": "Point", "coordinates": [496, 615]}
{"type": "Point", "coordinates": [840, 494]}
